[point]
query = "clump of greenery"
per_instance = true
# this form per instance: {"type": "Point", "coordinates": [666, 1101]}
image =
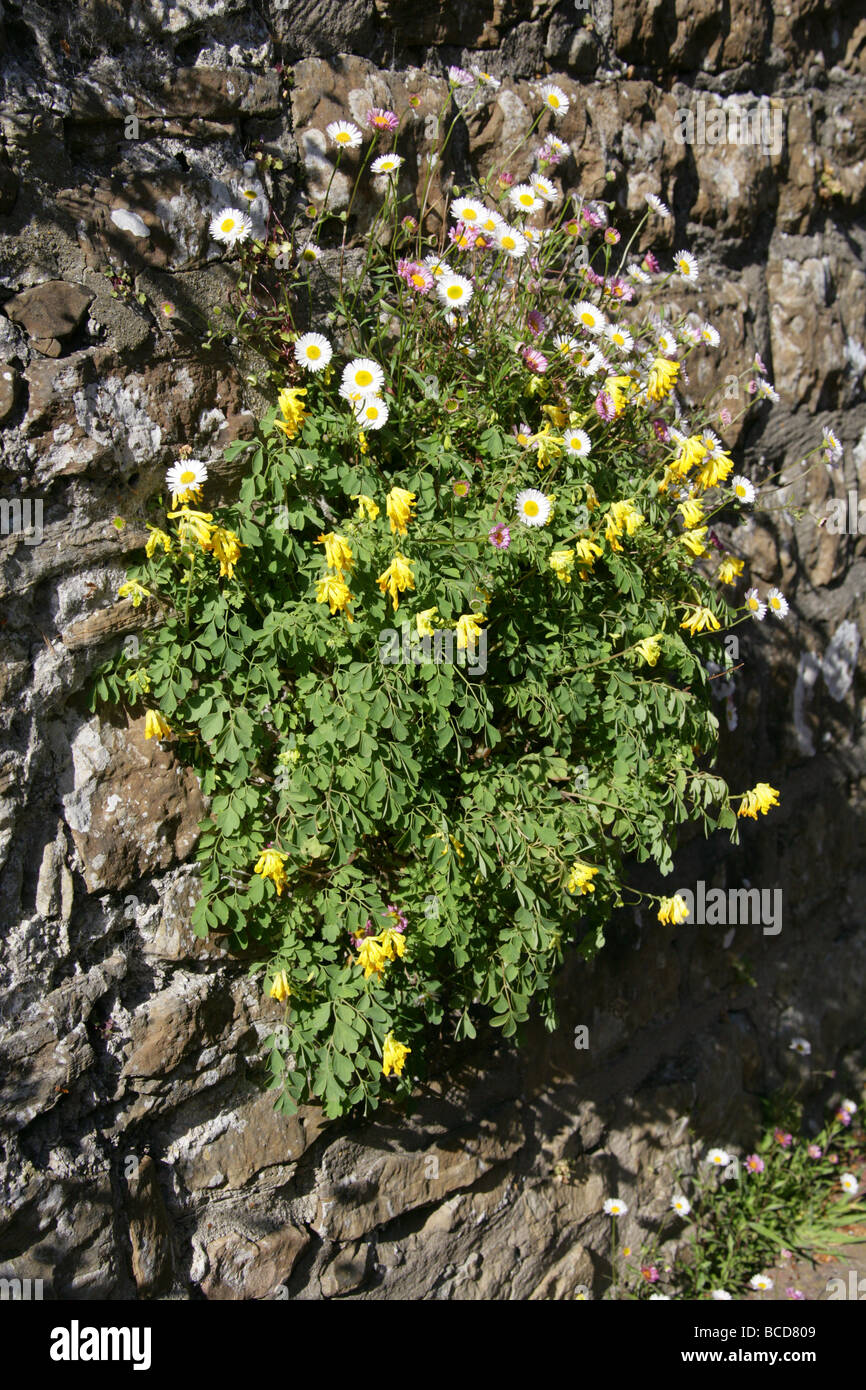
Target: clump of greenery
{"type": "Point", "coordinates": [409, 825]}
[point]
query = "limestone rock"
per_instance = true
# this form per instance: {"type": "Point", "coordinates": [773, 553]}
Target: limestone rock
{"type": "Point", "coordinates": [49, 313]}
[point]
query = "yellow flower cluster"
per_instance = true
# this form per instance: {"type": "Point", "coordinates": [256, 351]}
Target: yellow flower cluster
{"type": "Point", "coordinates": [622, 517]}
{"type": "Point", "coordinates": [580, 879]}
{"type": "Point", "coordinates": [662, 378]}
{"type": "Point", "coordinates": [197, 527]}
{"type": "Point", "coordinates": [760, 798]}
{"type": "Point", "coordinates": [397, 578]}
{"type": "Point", "coordinates": [674, 910]}
{"type": "Point", "coordinates": [293, 411]}
{"type": "Point", "coordinates": [270, 864]}
{"type": "Point", "coordinates": [700, 619]}
{"type": "Point", "coordinates": [394, 1055]}
{"type": "Point", "coordinates": [375, 952]}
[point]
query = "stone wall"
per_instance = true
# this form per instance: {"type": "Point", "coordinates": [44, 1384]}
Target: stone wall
{"type": "Point", "coordinates": [139, 1157]}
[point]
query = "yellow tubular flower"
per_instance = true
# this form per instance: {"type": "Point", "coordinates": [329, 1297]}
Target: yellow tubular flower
{"type": "Point", "coordinates": [701, 620]}
{"type": "Point", "coordinates": [372, 957]}
{"type": "Point", "coordinates": [270, 865]}
{"type": "Point", "coordinates": [292, 409]}
{"type": "Point", "coordinates": [618, 388]}
{"type": "Point", "coordinates": [468, 629]}
{"type": "Point", "coordinates": [692, 511]}
{"type": "Point", "coordinates": [338, 552]}
{"type": "Point", "coordinates": [650, 649]}
{"type": "Point", "coordinates": [730, 570]}
{"type": "Point", "coordinates": [155, 725]}
{"type": "Point", "coordinates": [760, 798]}
{"type": "Point", "coordinates": [673, 910]}
{"type": "Point", "coordinates": [557, 415]}
{"type": "Point", "coordinates": [695, 540]}
{"type": "Point", "coordinates": [580, 879]}
{"type": "Point", "coordinates": [424, 622]}
{"type": "Point", "coordinates": [621, 516]}
{"type": "Point", "coordinates": [561, 562]}
{"type": "Point", "coordinates": [280, 988]}
{"type": "Point", "coordinates": [156, 538]}
{"type": "Point", "coordinates": [546, 445]}
{"type": "Point", "coordinates": [133, 590]}
{"type": "Point", "coordinates": [397, 578]}
{"type": "Point", "coordinates": [393, 943]}
{"type": "Point", "coordinates": [333, 590]}
{"type": "Point", "coordinates": [193, 526]}
{"type": "Point", "coordinates": [394, 1056]}
{"type": "Point", "coordinates": [399, 504]}
{"type": "Point", "coordinates": [367, 508]}
{"type": "Point", "coordinates": [690, 452]}
{"type": "Point", "coordinates": [225, 547]}
{"type": "Point", "coordinates": [714, 470]}
{"type": "Point", "coordinates": [587, 551]}
{"type": "Point", "coordinates": [662, 378]}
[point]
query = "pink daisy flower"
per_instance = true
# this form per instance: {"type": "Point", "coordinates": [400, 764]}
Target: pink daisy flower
{"type": "Point", "coordinates": [416, 275]}
{"type": "Point", "coordinates": [604, 406]}
{"type": "Point", "coordinates": [379, 119]}
{"type": "Point", "coordinates": [755, 1164]}
{"type": "Point", "coordinates": [535, 360]}
{"type": "Point", "coordinates": [499, 536]}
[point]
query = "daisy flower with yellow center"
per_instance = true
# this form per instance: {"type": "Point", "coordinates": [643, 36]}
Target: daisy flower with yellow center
{"type": "Point", "coordinates": [468, 211]}
{"type": "Point", "coordinates": [511, 241]}
{"type": "Point", "coordinates": [686, 265]}
{"type": "Point", "coordinates": [555, 99]}
{"type": "Point", "coordinates": [532, 507]}
{"type": "Point", "coordinates": [524, 198]}
{"type": "Point", "coordinates": [186, 479]}
{"type": "Point", "coordinates": [386, 164]}
{"type": "Point", "coordinates": [620, 337]}
{"type": "Point", "coordinates": [754, 605]}
{"type": "Point", "coordinates": [313, 352]}
{"type": "Point", "coordinates": [590, 318]}
{"type": "Point", "coordinates": [231, 226]}
{"type": "Point", "coordinates": [454, 290]}
{"type": "Point", "coordinates": [577, 443]}
{"type": "Point", "coordinates": [363, 376]}
{"type": "Point", "coordinates": [344, 134]}
{"type": "Point", "coordinates": [371, 412]}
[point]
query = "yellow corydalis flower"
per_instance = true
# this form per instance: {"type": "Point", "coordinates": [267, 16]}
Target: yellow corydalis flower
{"type": "Point", "coordinates": [372, 957]}
{"type": "Point", "coordinates": [338, 552]}
{"type": "Point", "coordinates": [662, 378]}
{"type": "Point", "coordinates": [156, 537]}
{"type": "Point", "coordinates": [580, 879]}
{"type": "Point", "coordinates": [424, 622]}
{"type": "Point", "coordinates": [399, 504]}
{"type": "Point", "coordinates": [270, 865]}
{"type": "Point", "coordinates": [397, 578]}
{"type": "Point", "coordinates": [557, 415]}
{"type": "Point", "coordinates": [468, 630]}
{"type": "Point", "coordinates": [621, 517]}
{"type": "Point", "coordinates": [333, 590]}
{"type": "Point", "coordinates": [134, 591]}
{"type": "Point", "coordinates": [547, 445]}
{"type": "Point", "coordinates": [393, 943]}
{"type": "Point", "coordinates": [649, 649]}
{"type": "Point", "coordinates": [394, 1056]}
{"type": "Point", "coordinates": [714, 469]}
{"type": "Point", "coordinates": [619, 388]}
{"type": "Point", "coordinates": [193, 526]}
{"type": "Point", "coordinates": [280, 988]}
{"type": "Point", "coordinates": [760, 798]}
{"type": "Point", "coordinates": [700, 620]}
{"type": "Point", "coordinates": [587, 551]}
{"type": "Point", "coordinates": [695, 540]}
{"type": "Point", "coordinates": [561, 562]}
{"type": "Point", "coordinates": [156, 725]}
{"type": "Point", "coordinates": [690, 452]}
{"type": "Point", "coordinates": [692, 511]}
{"type": "Point", "coordinates": [367, 509]}
{"type": "Point", "coordinates": [292, 409]}
{"type": "Point", "coordinates": [673, 910]}
{"type": "Point", "coordinates": [730, 569]}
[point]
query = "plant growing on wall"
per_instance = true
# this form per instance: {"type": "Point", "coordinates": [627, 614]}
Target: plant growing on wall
{"type": "Point", "coordinates": [441, 666]}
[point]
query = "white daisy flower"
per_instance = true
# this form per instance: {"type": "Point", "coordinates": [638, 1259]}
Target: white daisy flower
{"type": "Point", "coordinates": [657, 205]}
{"type": "Point", "coordinates": [491, 222]}
{"type": "Point", "coordinates": [313, 352]}
{"type": "Point", "coordinates": [555, 98]}
{"type": "Point", "coordinates": [849, 1106]}
{"type": "Point", "coordinates": [832, 448]}
{"type": "Point", "coordinates": [386, 164]}
{"type": "Point", "coordinates": [185, 476]}
{"type": "Point", "coordinates": [544, 188]}
{"type": "Point", "coordinates": [511, 241]}
{"type": "Point", "coordinates": [685, 265]}
{"type": "Point", "coordinates": [634, 272]}
{"type": "Point", "coordinates": [590, 318]}
{"type": "Point", "coordinates": [595, 363]}
{"type": "Point", "coordinates": [468, 211]}
{"type": "Point", "coordinates": [620, 337]}
{"type": "Point", "coordinates": [231, 226]}
{"type": "Point", "coordinates": [533, 235]}
{"type": "Point", "coordinates": [310, 253]}
{"type": "Point", "coordinates": [437, 266]}
{"type": "Point", "coordinates": [485, 78]}
{"type": "Point", "coordinates": [345, 134]}
{"type": "Point", "coordinates": [532, 507]}
{"type": "Point", "coordinates": [565, 344]}
{"type": "Point", "coordinates": [524, 197]}
{"type": "Point", "coordinates": [777, 603]}
{"type": "Point", "coordinates": [760, 1281]}
{"type": "Point", "coordinates": [720, 1296]}
{"type": "Point", "coordinates": [668, 346]}
{"type": "Point", "coordinates": [455, 291]}
{"type": "Point", "coordinates": [765, 391]}
{"type": "Point", "coordinates": [743, 489]}
{"type": "Point", "coordinates": [711, 443]}
{"type": "Point", "coordinates": [577, 443]}
{"type": "Point", "coordinates": [800, 1045]}
{"type": "Point", "coordinates": [560, 147]}
{"type": "Point", "coordinates": [614, 1206]}
{"type": "Point", "coordinates": [364, 376]}
{"type": "Point", "coordinates": [681, 1205]}
{"type": "Point", "coordinates": [756, 608]}
{"type": "Point", "coordinates": [709, 335]}
{"type": "Point", "coordinates": [849, 1183]}
{"type": "Point", "coordinates": [371, 412]}
{"type": "Point", "coordinates": [719, 1158]}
